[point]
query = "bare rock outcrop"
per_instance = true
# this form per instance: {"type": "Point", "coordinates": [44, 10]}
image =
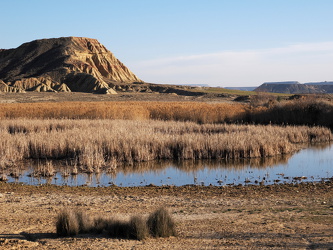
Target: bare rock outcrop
{"type": "Point", "coordinates": [5, 88]}
{"type": "Point", "coordinates": [62, 88]}
{"type": "Point", "coordinates": [63, 64]}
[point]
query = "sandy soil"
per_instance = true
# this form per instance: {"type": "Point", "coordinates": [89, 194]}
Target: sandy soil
{"type": "Point", "coordinates": [244, 217]}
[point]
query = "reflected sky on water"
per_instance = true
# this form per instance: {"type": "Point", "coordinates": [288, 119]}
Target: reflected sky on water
{"type": "Point", "coordinates": [311, 164]}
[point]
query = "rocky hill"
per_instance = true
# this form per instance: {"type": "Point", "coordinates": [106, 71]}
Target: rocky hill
{"type": "Point", "coordinates": [62, 64]}
{"type": "Point", "coordinates": [296, 88]}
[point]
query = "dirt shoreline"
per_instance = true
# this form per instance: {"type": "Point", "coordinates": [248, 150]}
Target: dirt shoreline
{"type": "Point", "coordinates": [293, 216]}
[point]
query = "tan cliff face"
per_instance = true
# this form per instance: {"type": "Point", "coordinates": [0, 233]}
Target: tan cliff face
{"type": "Point", "coordinates": [74, 63]}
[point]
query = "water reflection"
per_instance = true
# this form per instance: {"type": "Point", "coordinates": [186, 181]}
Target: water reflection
{"type": "Point", "coordinates": [311, 164]}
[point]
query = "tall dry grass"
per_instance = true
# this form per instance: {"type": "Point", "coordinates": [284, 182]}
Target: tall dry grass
{"type": "Point", "coordinates": [93, 144]}
{"type": "Point", "coordinates": [308, 110]}
{"type": "Point", "coordinates": [178, 111]}
{"type": "Point", "coordinates": [263, 109]}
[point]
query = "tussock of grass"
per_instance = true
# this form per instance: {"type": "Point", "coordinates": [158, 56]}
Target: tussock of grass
{"type": "Point", "coordinates": [85, 223]}
{"type": "Point", "coordinates": [100, 225]}
{"type": "Point", "coordinates": [138, 228]}
{"type": "Point", "coordinates": [67, 223]}
{"type": "Point", "coordinates": [159, 224]}
{"type": "Point", "coordinates": [119, 229]}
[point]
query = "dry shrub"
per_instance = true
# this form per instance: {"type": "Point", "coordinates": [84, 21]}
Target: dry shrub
{"type": "Point", "coordinates": [67, 223]}
{"type": "Point", "coordinates": [161, 224]}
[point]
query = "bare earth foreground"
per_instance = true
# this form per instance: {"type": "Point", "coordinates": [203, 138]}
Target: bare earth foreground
{"type": "Point", "coordinates": [293, 216]}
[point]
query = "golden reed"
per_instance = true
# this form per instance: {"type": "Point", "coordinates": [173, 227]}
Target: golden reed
{"type": "Point", "coordinates": [180, 111]}
{"type": "Point", "coordinates": [98, 143]}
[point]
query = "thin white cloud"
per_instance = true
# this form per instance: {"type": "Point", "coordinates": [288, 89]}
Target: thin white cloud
{"type": "Point", "coordinates": [302, 62]}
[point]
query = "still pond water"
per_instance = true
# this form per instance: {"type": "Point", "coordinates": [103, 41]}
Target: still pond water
{"type": "Point", "coordinates": [312, 164]}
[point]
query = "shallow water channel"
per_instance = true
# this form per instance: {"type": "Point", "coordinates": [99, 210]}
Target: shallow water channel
{"type": "Point", "coordinates": [312, 164]}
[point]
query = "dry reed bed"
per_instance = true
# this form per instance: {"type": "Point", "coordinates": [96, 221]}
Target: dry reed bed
{"type": "Point", "coordinates": [179, 111]}
{"type": "Point", "coordinates": [92, 144]}
{"type": "Point", "coordinates": [305, 111]}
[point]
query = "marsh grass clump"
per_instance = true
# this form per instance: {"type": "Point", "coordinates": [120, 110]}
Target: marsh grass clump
{"type": "Point", "coordinates": [101, 225]}
{"type": "Point", "coordinates": [85, 223]}
{"type": "Point", "coordinates": [138, 228]}
{"type": "Point", "coordinates": [119, 229]}
{"type": "Point", "coordinates": [161, 224]}
{"type": "Point", "coordinates": [67, 223]}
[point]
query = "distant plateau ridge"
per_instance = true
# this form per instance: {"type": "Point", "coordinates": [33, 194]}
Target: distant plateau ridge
{"type": "Point", "coordinates": [294, 87]}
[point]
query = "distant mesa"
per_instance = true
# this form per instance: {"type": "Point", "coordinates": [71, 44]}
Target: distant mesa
{"type": "Point", "coordinates": [196, 85]}
{"type": "Point", "coordinates": [319, 83]}
{"type": "Point", "coordinates": [62, 65]}
{"type": "Point", "coordinates": [241, 88]}
{"type": "Point", "coordinates": [294, 87]}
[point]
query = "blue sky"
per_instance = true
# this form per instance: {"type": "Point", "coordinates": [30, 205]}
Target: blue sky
{"type": "Point", "coordinates": [215, 42]}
